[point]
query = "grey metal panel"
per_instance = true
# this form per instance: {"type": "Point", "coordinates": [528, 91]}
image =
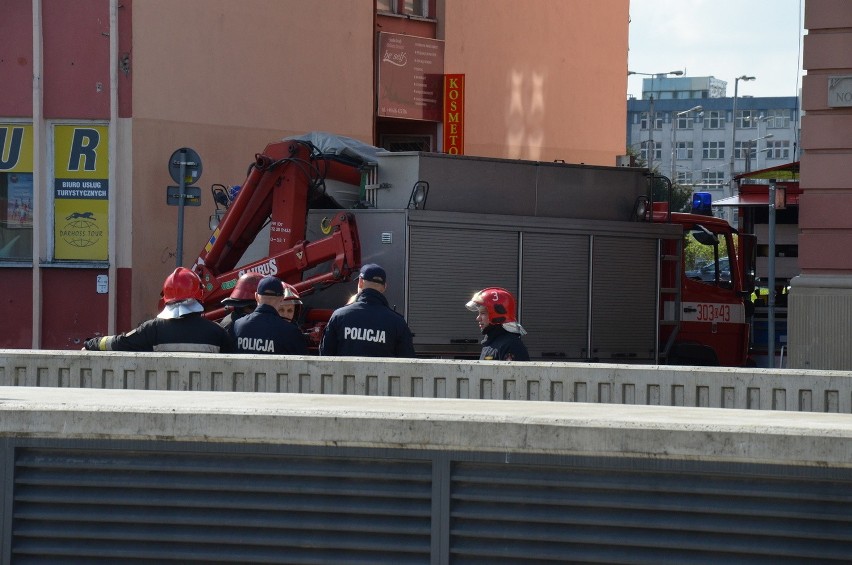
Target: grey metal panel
{"type": "Point", "coordinates": [555, 295]}
{"type": "Point", "coordinates": [158, 502]}
{"type": "Point", "coordinates": [624, 295]}
{"type": "Point", "coordinates": [382, 238]}
{"type": "Point", "coordinates": [530, 188]}
{"type": "Point", "coordinates": [446, 266]}
{"type": "Point", "coordinates": [510, 513]}
{"type": "Point", "coordinates": [7, 468]}
{"type": "Point", "coordinates": [107, 506]}
{"type": "Point", "coordinates": [594, 193]}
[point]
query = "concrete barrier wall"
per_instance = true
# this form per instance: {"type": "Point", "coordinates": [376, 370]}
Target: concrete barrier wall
{"type": "Point", "coordinates": [763, 389]}
{"type": "Point", "coordinates": [461, 426]}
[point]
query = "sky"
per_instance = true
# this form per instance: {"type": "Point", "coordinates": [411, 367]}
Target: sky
{"type": "Point", "coordinates": [720, 38]}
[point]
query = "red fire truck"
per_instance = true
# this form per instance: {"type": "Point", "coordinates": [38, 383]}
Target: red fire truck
{"type": "Point", "coordinates": [597, 267]}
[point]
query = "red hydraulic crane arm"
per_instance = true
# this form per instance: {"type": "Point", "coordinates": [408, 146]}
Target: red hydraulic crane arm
{"type": "Point", "coordinates": [278, 189]}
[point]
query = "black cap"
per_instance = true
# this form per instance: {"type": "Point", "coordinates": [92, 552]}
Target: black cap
{"type": "Point", "coordinates": [270, 286]}
{"type": "Point", "coordinates": [373, 273]}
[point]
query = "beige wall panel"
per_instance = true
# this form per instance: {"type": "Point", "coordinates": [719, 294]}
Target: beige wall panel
{"type": "Point", "coordinates": [827, 50]}
{"type": "Point", "coordinates": [827, 131]}
{"type": "Point", "coordinates": [827, 14]}
{"type": "Point", "coordinates": [226, 153]}
{"type": "Point", "coordinates": [825, 251]}
{"type": "Point", "coordinates": [825, 209]}
{"type": "Point", "coordinates": [269, 64]}
{"type": "Point", "coordinates": [821, 170]}
{"type": "Point", "coordinates": [815, 90]}
{"type": "Point", "coordinates": [545, 79]}
{"type": "Point", "coordinates": [226, 78]}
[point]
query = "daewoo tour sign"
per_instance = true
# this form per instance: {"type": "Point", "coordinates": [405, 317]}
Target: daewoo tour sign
{"type": "Point", "coordinates": [80, 192]}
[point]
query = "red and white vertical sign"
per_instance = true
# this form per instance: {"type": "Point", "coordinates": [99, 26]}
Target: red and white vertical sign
{"type": "Point", "coordinates": [454, 114]}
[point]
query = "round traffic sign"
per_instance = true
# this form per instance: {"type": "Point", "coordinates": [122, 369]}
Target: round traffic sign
{"type": "Point", "coordinates": [191, 163]}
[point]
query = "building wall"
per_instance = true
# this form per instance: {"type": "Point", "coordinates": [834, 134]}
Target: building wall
{"type": "Point", "coordinates": [821, 298]}
{"type": "Point", "coordinates": [227, 78]}
{"type": "Point", "coordinates": [637, 136]}
{"type": "Point", "coordinates": [539, 82]}
{"type": "Point", "coordinates": [827, 141]}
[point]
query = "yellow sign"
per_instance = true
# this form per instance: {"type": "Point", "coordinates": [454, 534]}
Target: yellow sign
{"type": "Point", "coordinates": [16, 148]}
{"type": "Point", "coordinates": [81, 192]}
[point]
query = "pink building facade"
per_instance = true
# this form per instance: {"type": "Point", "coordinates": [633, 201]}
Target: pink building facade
{"type": "Point", "coordinates": [820, 301]}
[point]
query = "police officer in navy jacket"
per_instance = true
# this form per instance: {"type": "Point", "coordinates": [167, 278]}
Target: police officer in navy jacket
{"type": "Point", "coordinates": [368, 327]}
{"type": "Point", "coordinates": [264, 330]}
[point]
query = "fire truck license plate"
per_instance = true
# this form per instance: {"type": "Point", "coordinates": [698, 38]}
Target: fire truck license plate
{"type": "Point", "coordinates": [714, 313]}
{"type": "Point", "coordinates": [708, 312]}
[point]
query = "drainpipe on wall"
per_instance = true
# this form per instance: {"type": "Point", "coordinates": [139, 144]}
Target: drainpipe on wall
{"type": "Point", "coordinates": [113, 167]}
{"type": "Point", "coordinates": [39, 173]}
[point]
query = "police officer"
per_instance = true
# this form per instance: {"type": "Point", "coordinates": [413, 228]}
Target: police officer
{"type": "Point", "coordinates": [241, 301]}
{"type": "Point", "coordinates": [179, 327]}
{"type": "Point", "coordinates": [264, 330]}
{"type": "Point", "coordinates": [368, 326]}
{"type": "Point", "coordinates": [495, 308]}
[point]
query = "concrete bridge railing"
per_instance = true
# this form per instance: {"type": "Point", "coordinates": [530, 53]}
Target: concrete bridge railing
{"type": "Point", "coordinates": [762, 389]}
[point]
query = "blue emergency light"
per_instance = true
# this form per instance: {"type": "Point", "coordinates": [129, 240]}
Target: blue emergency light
{"type": "Point", "coordinates": [702, 203]}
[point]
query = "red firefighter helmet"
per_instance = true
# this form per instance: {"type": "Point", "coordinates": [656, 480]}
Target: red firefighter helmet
{"type": "Point", "coordinates": [498, 305]}
{"type": "Point", "coordinates": [243, 293]}
{"type": "Point", "coordinates": [182, 284]}
{"type": "Point", "coordinates": [291, 294]}
{"type": "Point", "coordinates": [290, 297]}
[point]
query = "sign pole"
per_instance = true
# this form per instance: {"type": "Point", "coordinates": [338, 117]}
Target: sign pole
{"type": "Point", "coordinates": [184, 163]}
{"type": "Point", "coordinates": [180, 208]}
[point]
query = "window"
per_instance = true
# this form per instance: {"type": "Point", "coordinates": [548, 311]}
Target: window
{"type": "Point", "coordinates": [683, 150]}
{"type": "Point", "coordinates": [400, 142]}
{"type": "Point", "coordinates": [657, 148]}
{"type": "Point", "coordinates": [713, 120]}
{"type": "Point", "coordinates": [683, 178]}
{"type": "Point", "coordinates": [658, 122]}
{"type": "Point", "coordinates": [713, 150]}
{"type": "Point", "coordinates": [685, 122]}
{"type": "Point", "coordinates": [746, 119]}
{"type": "Point", "coordinates": [16, 192]}
{"type": "Point", "coordinates": [743, 147]}
{"type": "Point", "coordinates": [418, 8]}
{"type": "Point", "coordinates": [712, 179]}
{"type": "Point", "coordinates": [778, 149]}
{"type": "Point", "coordinates": [778, 119]}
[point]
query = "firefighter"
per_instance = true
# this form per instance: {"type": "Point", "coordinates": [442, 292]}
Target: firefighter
{"type": "Point", "coordinates": [264, 330]}
{"type": "Point", "coordinates": [241, 301]}
{"type": "Point", "coordinates": [178, 327]}
{"type": "Point", "coordinates": [495, 308]}
{"type": "Point", "coordinates": [368, 327]}
{"type": "Point", "coordinates": [290, 305]}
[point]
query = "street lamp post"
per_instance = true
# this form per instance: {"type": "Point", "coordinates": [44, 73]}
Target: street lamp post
{"type": "Point", "coordinates": [651, 117]}
{"type": "Point", "coordinates": [674, 137]}
{"type": "Point", "coordinates": [756, 142]}
{"type": "Point", "coordinates": [734, 128]}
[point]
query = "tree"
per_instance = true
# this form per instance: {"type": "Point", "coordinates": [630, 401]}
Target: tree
{"type": "Point", "coordinates": [681, 194]}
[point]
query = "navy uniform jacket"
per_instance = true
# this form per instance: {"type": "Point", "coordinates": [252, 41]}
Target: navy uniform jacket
{"type": "Point", "coordinates": [189, 333]}
{"type": "Point", "coordinates": [502, 345]}
{"type": "Point", "coordinates": [369, 328]}
{"type": "Point", "coordinates": [264, 331]}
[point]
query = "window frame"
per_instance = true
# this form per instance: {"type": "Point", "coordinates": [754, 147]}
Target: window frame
{"type": "Point", "coordinates": [425, 9]}
{"type": "Point", "coordinates": [714, 119]}
{"type": "Point", "coordinates": [713, 150]}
